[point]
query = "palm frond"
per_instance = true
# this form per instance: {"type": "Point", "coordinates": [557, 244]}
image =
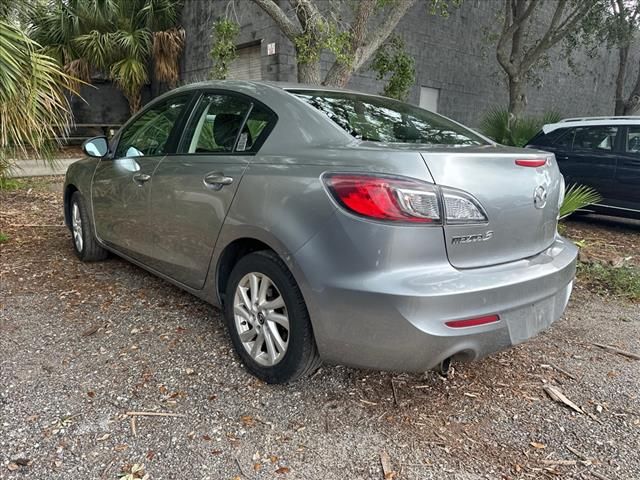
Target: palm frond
{"type": "Point", "coordinates": [577, 197]}
{"type": "Point", "coordinates": [167, 48]}
{"type": "Point", "coordinates": [495, 125]}
{"type": "Point", "coordinates": [130, 74]}
{"type": "Point", "coordinates": [33, 106]}
{"type": "Point", "coordinates": [98, 47]}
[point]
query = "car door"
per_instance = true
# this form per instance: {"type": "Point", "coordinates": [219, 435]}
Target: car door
{"type": "Point", "coordinates": [122, 180]}
{"type": "Point", "coordinates": [193, 190]}
{"type": "Point", "coordinates": [592, 160]}
{"type": "Point", "coordinates": [628, 172]}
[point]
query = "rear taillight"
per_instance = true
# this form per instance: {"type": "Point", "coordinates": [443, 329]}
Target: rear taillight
{"type": "Point", "coordinates": [397, 199]}
{"type": "Point", "coordinates": [385, 198]}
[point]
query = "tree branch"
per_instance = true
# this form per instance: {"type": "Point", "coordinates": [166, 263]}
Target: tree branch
{"type": "Point", "coordinates": [376, 38]}
{"type": "Point", "coordinates": [288, 27]}
{"type": "Point", "coordinates": [358, 31]}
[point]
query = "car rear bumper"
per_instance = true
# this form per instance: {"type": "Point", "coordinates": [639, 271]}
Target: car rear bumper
{"type": "Point", "coordinates": [395, 320]}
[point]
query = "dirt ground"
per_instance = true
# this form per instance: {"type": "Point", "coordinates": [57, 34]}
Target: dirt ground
{"type": "Point", "coordinates": [83, 345]}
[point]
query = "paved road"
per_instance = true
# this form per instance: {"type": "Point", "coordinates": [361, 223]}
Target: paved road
{"type": "Point", "coordinates": [39, 168]}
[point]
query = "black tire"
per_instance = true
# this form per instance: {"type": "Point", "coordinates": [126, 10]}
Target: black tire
{"type": "Point", "coordinates": [90, 250]}
{"type": "Point", "coordinates": [301, 356]}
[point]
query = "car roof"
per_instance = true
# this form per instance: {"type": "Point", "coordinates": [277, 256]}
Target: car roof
{"type": "Point", "coordinates": [590, 121]}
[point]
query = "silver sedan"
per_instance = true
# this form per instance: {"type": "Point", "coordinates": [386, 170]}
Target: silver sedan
{"type": "Point", "coordinates": [330, 225]}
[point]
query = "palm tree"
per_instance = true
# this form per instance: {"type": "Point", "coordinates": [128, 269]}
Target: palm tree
{"type": "Point", "coordinates": [33, 106]}
{"type": "Point", "coordinates": [117, 37]}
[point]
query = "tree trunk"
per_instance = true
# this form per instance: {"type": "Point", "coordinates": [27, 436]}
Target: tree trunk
{"type": "Point", "coordinates": [632, 105]}
{"type": "Point", "coordinates": [623, 55]}
{"type": "Point", "coordinates": [339, 75]}
{"type": "Point", "coordinates": [309, 73]}
{"type": "Point", "coordinates": [517, 99]}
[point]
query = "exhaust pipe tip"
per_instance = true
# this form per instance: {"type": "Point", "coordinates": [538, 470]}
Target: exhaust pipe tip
{"type": "Point", "coordinates": [445, 367]}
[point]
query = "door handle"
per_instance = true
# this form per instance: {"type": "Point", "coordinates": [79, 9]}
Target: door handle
{"type": "Point", "coordinates": [141, 178]}
{"type": "Point", "coordinates": [217, 180]}
{"type": "Point", "coordinates": [562, 157]}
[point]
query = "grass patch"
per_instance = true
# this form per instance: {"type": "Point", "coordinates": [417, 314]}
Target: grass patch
{"type": "Point", "coordinates": [620, 282]}
{"type": "Point", "coordinates": [4, 238]}
{"type": "Point", "coordinates": [10, 184]}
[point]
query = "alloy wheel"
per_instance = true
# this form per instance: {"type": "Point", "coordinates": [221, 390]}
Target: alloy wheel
{"type": "Point", "coordinates": [76, 226]}
{"type": "Point", "coordinates": [261, 319]}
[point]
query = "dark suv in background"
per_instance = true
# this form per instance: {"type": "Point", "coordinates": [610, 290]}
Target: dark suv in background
{"type": "Point", "coordinates": [601, 152]}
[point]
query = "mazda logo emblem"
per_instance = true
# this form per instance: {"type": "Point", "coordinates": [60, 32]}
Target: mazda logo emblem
{"type": "Point", "coordinates": [540, 197]}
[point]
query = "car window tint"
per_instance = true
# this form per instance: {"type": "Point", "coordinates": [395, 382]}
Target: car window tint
{"type": "Point", "coordinates": [259, 123]}
{"type": "Point", "coordinates": [563, 138]}
{"type": "Point", "coordinates": [633, 140]}
{"type": "Point", "coordinates": [595, 138]}
{"type": "Point", "coordinates": [148, 135]}
{"type": "Point", "coordinates": [380, 119]}
{"type": "Point", "coordinates": [215, 124]}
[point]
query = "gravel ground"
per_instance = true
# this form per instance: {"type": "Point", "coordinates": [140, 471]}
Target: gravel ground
{"type": "Point", "coordinates": [83, 344]}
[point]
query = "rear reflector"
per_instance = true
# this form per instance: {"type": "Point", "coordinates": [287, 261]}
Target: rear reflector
{"type": "Point", "coordinates": [536, 162]}
{"type": "Point", "coordinates": [473, 322]}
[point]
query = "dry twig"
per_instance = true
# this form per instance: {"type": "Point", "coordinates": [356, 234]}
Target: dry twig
{"type": "Point", "coordinates": [612, 349]}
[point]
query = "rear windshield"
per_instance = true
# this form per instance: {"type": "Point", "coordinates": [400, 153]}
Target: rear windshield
{"type": "Point", "coordinates": [380, 119]}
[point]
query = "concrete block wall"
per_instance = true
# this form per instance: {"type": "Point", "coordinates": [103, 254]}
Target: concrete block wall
{"type": "Point", "coordinates": [451, 55]}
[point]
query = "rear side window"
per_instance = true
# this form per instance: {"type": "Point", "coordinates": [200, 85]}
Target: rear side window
{"type": "Point", "coordinates": [380, 119]}
{"type": "Point", "coordinates": [595, 138]}
{"type": "Point", "coordinates": [632, 144]}
{"type": "Point", "coordinates": [220, 124]}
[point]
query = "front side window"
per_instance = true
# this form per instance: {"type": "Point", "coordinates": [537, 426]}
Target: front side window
{"type": "Point", "coordinates": [595, 138]}
{"type": "Point", "coordinates": [380, 119]}
{"type": "Point", "coordinates": [148, 135]}
{"type": "Point", "coordinates": [633, 140]}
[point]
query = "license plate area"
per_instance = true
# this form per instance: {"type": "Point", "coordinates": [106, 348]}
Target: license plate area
{"type": "Point", "coordinates": [528, 321]}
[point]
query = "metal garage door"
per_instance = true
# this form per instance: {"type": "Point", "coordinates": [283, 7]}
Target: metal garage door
{"type": "Point", "coordinates": [248, 64]}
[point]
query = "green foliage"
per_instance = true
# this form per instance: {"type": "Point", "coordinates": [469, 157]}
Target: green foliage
{"type": "Point", "coordinates": [118, 37]}
{"type": "Point", "coordinates": [326, 36]}
{"type": "Point", "coordinates": [33, 105]}
{"type": "Point", "coordinates": [577, 197]}
{"type": "Point", "coordinates": [393, 59]}
{"type": "Point", "coordinates": [223, 51]}
{"type": "Point", "coordinates": [495, 125]}
{"type": "Point", "coordinates": [10, 184]}
{"type": "Point", "coordinates": [618, 281]}
{"type": "Point", "coordinates": [4, 238]}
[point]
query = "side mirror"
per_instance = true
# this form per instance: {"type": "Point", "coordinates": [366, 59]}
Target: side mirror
{"type": "Point", "coordinates": [96, 147]}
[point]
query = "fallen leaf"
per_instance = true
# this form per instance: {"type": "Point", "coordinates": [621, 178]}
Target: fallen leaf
{"type": "Point", "coordinates": [273, 459]}
{"type": "Point", "coordinates": [91, 393]}
{"type": "Point", "coordinates": [283, 470]}
{"type": "Point", "coordinates": [538, 445]}
{"type": "Point", "coordinates": [558, 396]}
{"type": "Point", "coordinates": [190, 371]}
{"type": "Point", "coordinates": [13, 467]}
{"type": "Point", "coordinates": [104, 437]}
{"type": "Point", "coordinates": [385, 461]}
{"type": "Point", "coordinates": [121, 447]}
{"type": "Point", "coordinates": [257, 466]}
{"type": "Point", "coordinates": [248, 420]}
{"type": "Point", "coordinates": [206, 438]}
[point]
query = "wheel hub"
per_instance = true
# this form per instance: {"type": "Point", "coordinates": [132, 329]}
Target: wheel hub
{"type": "Point", "coordinates": [261, 319]}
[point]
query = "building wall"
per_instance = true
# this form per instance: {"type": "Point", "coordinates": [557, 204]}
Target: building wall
{"type": "Point", "coordinates": [451, 55]}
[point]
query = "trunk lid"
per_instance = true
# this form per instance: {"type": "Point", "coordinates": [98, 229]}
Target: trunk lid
{"type": "Point", "coordinates": [518, 226]}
